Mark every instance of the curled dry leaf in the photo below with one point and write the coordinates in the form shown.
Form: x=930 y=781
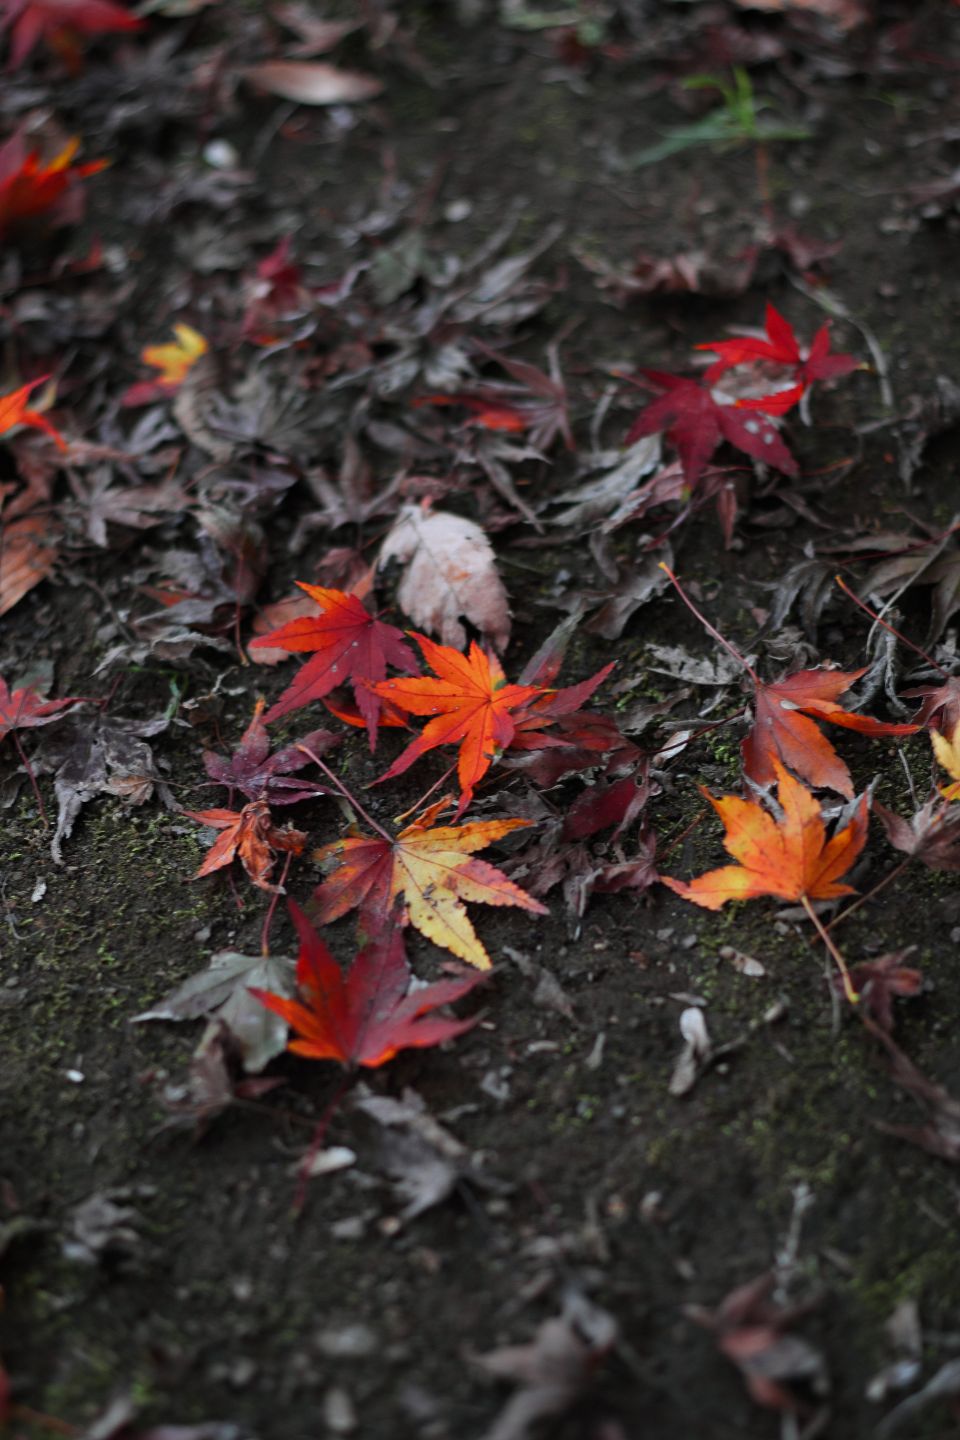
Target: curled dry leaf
x=250 y=834
x=553 y=1369
x=312 y=82
x=450 y=575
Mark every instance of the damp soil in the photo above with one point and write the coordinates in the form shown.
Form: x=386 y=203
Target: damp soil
x=220 y=1303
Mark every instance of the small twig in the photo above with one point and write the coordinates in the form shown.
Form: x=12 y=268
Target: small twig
x=426 y=795
x=268 y=919
x=316 y=1143
x=862 y=899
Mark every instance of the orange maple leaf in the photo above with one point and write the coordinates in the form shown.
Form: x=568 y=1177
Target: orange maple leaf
x=784 y=731
x=15 y=411
x=788 y=856
x=431 y=872
x=250 y=834
x=471 y=704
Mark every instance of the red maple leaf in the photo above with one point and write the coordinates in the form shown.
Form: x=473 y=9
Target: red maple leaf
x=784 y=728
x=24 y=709
x=367 y=1015
x=351 y=645
x=29 y=188
x=697 y=423
x=781 y=347
x=15 y=411
x=250 y=834
x=59 y=22
x=471 y=703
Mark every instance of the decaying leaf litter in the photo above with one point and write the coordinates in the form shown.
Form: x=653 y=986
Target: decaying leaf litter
x=273 y=314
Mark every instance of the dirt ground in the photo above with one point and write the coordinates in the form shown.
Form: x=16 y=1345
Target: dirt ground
x=208 y=1299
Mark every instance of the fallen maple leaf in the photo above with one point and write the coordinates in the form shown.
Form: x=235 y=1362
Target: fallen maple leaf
x=876 y=982
x=536 y=404
x=434 y=872
x=24 y=709
x=947 y=750
x=788 y=856
x=174 y=361
x=259 y=775
x=351 y=644
x=250 y=834
x=471 y=703
x=29 y=188
x=367 y=1016
x=782 y=731
x=14 y=411
x=931 y=835
x=58 y=23
x=751 y=1330
x=450 y=575
x=697 y=423
x=551 y=1371
x=781 y=347
x=312 y=82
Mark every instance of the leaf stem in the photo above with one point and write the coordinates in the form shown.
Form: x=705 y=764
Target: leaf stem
x=316 y=1143
x=268 y=919
x=31 y=776
x=347 y=794
x=706 y=623
x=848 y=989
x=426 y=795
x=879 y=620
x=862 y=899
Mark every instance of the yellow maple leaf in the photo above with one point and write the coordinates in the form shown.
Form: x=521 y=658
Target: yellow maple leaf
x=430 y=872
x=947 y=752
x=175 y=359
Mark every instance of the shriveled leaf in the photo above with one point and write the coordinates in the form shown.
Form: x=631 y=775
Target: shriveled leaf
x=931 y=835
x=789 y=856
x=100 y=754
x=449 y=575
x=223 y=991
x=551 y=1371
x=311 y=82
x=753 y=1330
x=250 y=835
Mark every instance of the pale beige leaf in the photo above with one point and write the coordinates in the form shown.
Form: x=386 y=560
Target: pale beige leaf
x=311 y=82
x=450 y=575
